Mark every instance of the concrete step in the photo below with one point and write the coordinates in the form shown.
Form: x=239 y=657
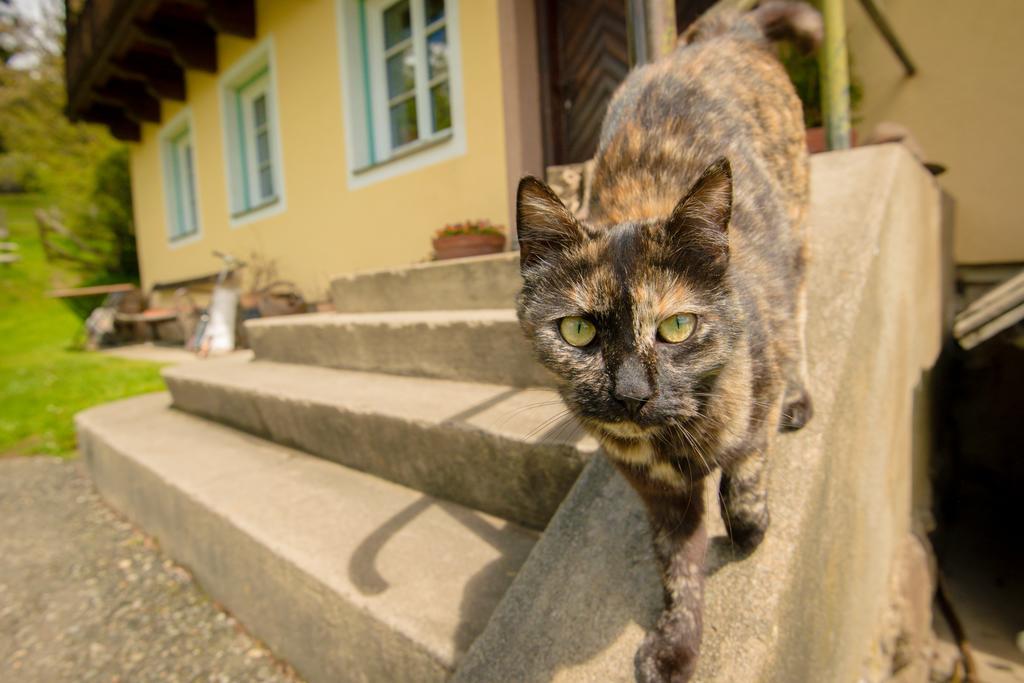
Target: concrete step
x=346 y=576
x=510 y=452
x=473 y=346
x=465 y=283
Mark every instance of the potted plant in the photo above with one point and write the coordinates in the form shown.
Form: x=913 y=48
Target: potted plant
x=469 y=238
x=806 y=76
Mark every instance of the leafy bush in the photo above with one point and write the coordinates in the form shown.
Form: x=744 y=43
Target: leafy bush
x=108 y=221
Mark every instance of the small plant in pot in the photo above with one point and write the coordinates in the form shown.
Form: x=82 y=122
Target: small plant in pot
x=805 y=73
x=469 y=238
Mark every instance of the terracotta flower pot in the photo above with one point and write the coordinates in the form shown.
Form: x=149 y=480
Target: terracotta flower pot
x=816 y=141
x=457 y=246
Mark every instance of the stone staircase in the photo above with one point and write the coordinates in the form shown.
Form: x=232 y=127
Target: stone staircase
x=367 y=494
x=439 y=455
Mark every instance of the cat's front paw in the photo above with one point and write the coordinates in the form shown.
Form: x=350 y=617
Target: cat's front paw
x=664 y=659
x=797 y=411
x=747 y=533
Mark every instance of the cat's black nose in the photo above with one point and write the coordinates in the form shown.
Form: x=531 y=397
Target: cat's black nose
x=632 y=388
x=633 y=404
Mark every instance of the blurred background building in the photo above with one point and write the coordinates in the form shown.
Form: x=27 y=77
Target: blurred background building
x=338 y=135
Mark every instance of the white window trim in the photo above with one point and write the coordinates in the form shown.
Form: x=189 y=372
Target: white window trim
x=182 y=122
x=424 y=152
x=259 y=57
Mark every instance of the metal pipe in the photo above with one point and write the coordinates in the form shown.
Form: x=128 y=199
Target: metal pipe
x=661 y=28
x=834 y=63
x=883 y=26
x=650 y=29
x=636 y=32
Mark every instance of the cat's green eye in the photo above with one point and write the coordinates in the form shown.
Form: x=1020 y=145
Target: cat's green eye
x=577 y=331
x=677 y=328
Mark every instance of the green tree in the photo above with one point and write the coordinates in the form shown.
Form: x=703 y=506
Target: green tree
x=80 y=169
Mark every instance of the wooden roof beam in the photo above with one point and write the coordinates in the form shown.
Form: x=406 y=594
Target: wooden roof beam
x=133 y=96
x=193 y=44
x=163 y=77
x=233 y=17
x=121 y=127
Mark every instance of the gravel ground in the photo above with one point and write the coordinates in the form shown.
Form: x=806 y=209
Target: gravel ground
x=86 y=597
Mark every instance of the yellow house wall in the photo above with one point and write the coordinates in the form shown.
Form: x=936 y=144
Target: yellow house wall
x=964 y=106
x=326 y=228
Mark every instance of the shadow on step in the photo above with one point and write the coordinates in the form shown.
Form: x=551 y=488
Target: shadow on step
x=473 y=411
x=482 y=591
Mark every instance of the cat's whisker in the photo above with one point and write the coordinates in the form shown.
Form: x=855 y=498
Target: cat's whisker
x=544 y=424
x=547 y=423
x=573 y=428
x=506 y=417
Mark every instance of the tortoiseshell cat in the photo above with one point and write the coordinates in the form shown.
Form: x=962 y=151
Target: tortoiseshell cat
x=674 y=316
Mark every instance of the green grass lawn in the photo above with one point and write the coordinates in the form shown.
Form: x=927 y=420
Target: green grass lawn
x=43 y=380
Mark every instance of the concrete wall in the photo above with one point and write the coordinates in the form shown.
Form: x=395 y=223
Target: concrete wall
x=327 y=228
x=844 y=492
x=964 y=105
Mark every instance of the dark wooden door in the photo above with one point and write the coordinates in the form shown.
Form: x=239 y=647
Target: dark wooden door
x=584 y=55
x=583 y=58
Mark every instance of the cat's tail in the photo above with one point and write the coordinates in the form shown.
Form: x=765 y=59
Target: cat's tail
x=772 y=20
x=796 y=22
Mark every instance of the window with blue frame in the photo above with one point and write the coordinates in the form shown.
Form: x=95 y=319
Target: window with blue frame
x=180 y=182
x=252 y=138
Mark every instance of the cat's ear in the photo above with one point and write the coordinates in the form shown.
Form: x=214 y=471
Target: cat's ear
x=544 y=225
x=698 y=228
